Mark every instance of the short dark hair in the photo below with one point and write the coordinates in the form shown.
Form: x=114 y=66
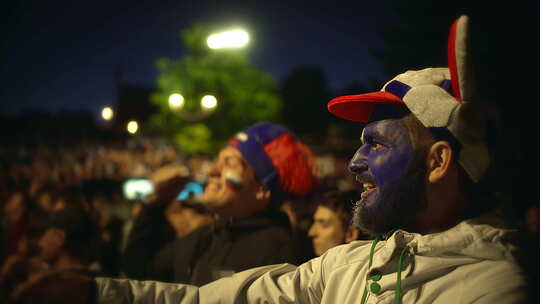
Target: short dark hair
x=342 y=203
x=480 y=194
x=421 y=138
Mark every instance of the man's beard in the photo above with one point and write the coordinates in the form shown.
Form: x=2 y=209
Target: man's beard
x=396 y=204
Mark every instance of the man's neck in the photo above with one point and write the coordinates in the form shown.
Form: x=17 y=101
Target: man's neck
x=444 y=208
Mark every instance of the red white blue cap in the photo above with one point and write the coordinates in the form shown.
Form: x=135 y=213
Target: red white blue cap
x=442 y=99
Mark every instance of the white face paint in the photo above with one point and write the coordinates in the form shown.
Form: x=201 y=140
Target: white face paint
x=233 y=179
x=232 y=187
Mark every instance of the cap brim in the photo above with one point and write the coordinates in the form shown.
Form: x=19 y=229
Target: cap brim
x=360 y=107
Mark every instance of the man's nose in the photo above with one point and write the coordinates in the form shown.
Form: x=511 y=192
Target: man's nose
x=311 y=232
x=215 y=170
x=358 y=163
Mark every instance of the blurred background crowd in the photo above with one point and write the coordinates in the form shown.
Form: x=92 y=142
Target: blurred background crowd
x=69 y=206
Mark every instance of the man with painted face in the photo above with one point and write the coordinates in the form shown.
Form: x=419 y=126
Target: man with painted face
x=250 y=178
x=422 y=168
x=390 y=178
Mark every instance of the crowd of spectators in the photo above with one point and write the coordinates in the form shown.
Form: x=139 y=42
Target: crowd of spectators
x=63 y=207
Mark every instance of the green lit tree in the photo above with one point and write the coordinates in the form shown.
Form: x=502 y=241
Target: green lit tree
x=245 y=94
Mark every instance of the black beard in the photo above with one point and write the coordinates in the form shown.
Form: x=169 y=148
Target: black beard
x=396 y=204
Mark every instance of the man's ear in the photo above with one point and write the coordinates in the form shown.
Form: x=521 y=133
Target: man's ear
x=439 y=159
x=351 y=234
x=262 y=193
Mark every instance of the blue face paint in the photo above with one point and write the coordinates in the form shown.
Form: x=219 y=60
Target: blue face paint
x=383 y=164
x=385 y=154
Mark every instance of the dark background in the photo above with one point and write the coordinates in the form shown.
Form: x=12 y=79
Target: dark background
x=70 y=54
x=61 y=61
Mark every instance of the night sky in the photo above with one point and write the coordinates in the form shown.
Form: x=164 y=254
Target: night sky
x=59 y=55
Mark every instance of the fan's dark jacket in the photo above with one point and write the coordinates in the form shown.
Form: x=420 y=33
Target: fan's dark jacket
x=208 y=253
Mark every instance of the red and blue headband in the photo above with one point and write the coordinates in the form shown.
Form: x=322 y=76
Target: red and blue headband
x=251 y=142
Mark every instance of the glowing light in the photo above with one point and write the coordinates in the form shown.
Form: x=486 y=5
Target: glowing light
x=229 y=39
x=176 y=101
x=138 y=189
x=132 y=127
x=208 y=102
x=107 y=113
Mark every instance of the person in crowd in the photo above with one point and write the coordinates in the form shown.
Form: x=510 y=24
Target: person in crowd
x=15 y=220
x=300 y=214
x=45 y=199
x=110 y=226
x=24 y=223
x=135 y=210
x=72 y=240
x=424 y=164
x=260 y=167
x=332 y=221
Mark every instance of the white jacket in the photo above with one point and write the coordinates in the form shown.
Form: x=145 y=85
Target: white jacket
x=469 y=263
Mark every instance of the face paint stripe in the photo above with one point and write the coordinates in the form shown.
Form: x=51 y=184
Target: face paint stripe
x=233 y=180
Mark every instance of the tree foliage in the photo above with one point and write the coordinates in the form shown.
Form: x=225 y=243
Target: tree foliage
x=245 y=94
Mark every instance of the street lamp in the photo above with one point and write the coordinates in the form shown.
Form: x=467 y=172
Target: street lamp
x=132 y=127
x=208 y=102
x=107 y=113
x=230 y=39
x=208 y=106
x=176 y=101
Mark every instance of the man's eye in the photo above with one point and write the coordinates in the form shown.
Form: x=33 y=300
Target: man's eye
x=323 y=225
x=376 y=146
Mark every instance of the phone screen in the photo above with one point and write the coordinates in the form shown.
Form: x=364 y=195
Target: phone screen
x=137 y=188
x=191 y=189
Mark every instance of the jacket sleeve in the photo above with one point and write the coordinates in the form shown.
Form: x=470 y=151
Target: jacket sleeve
x=146 y=238
x=124 y=291
x=283 y=283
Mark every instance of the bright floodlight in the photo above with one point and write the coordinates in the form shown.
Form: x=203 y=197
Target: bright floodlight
x=229 y=39
x=176 y=101
x=107 y=113
x=208 y=102
x=132 y=127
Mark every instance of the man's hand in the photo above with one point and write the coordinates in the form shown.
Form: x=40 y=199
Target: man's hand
x=168 y=182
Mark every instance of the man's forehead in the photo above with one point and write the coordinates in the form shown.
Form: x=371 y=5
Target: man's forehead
x=229 y=152
x=230 y=155
x=381 y=127
x=324 y=213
